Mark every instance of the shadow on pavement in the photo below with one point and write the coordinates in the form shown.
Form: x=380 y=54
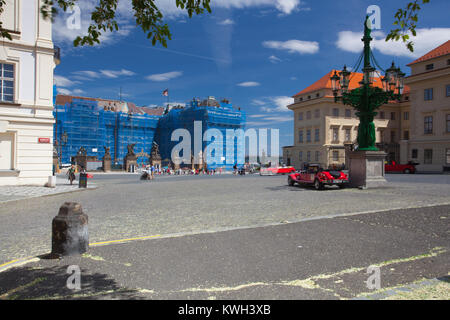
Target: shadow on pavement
x=36 y=282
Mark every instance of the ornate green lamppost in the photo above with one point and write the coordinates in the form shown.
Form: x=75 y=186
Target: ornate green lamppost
x=367 y=98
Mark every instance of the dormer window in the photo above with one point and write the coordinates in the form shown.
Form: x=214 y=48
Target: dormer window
x=429 y=66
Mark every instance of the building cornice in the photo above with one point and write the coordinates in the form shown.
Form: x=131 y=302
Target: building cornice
x=427 y=75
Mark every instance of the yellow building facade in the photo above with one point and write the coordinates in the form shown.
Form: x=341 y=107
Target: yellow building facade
x=429 y=83
x=322 y=127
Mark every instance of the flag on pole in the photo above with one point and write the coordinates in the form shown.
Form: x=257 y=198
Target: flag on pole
x=165 y=93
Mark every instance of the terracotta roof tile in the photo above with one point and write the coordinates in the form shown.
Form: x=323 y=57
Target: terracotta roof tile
x=158 y=111
x=355 y=79
x=440 y=51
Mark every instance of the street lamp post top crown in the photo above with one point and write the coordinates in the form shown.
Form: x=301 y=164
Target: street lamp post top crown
x=367 y=98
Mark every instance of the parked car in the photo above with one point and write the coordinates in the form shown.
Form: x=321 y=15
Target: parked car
x=276 y=170
x=318 y=177
x=393 y=166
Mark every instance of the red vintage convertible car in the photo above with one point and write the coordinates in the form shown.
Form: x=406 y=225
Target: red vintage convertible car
x=393 y=166
x=276 y=170
x=318 y=177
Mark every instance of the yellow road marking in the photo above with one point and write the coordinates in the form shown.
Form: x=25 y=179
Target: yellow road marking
x=124 y=240
x=5 y=264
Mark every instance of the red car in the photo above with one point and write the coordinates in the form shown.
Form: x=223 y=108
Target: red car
x=276 y=170
x=392 y=166
x=318 y=177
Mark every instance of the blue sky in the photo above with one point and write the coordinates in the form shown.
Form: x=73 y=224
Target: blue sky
x=257 y=53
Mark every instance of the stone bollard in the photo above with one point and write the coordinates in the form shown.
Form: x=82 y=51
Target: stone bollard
x=70 y=234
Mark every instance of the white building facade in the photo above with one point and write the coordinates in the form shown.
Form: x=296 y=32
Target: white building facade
x=26 y=95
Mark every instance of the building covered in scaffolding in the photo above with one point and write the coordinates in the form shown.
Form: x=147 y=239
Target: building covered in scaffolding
x=208 y=115
x=94 y=124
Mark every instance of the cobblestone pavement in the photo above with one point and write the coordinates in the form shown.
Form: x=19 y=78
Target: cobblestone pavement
x=330 y=258
x=124 y=207
x=11 y=193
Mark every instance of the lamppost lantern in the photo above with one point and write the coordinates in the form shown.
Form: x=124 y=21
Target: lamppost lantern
x=335 y=83
x=367 y=98
x=345 y=79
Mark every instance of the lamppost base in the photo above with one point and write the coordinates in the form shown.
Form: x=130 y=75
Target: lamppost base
x=366 y=169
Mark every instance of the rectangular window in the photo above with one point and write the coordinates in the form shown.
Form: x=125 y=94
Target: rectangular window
x=308 y=156
x=392 y=115
x=6 y=82
x=406 y=115
x=428 y=156
x=335 y=112
x=308 y=115
x=308 y=135
x=300 y=155
x=348 y=113
x=348 y=136
x=316 y=135
x=406 y=135
x=448 y=122
x=414 y=153
x=335 y=134
x=447 y=156
x=300 y=136
x=392 y=136
x=447 y=90
x=300 y=116
x=317 y=113
x=429 y=66
x=335 y=155
x=428 y=94
x=381 y=114
x=428 y=125
x=317 y=156
x=7 y=147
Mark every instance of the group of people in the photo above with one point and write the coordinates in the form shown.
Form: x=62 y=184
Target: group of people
x=71 y=173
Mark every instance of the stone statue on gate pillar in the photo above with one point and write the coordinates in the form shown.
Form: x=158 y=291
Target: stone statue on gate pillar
x=155 y=157
x=106 y=160
x=130 y=158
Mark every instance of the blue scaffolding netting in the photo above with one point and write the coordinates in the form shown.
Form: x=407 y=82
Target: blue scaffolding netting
x=86 y=123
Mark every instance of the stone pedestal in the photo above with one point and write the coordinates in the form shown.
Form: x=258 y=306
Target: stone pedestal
x=128 y=161
x=348 y=149
x=106 y=163
x=70 y=231
x=366 y=169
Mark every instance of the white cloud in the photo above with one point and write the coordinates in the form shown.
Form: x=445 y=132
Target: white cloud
x=226 y=22
x=63 y=34
x=86 y=75
x=293 y=78
x=116 y=74
x=258 y=102
x=249 y=84
x=65 y=28
x=294 y=46
x=164 y=76
x=64 y=91
x=61 y=81
x=274 y=59
x=425 y=41
x=278 y=103
x=78 y=91
x=284 y=6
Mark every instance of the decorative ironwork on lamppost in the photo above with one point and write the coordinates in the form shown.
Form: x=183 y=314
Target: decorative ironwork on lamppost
x=367 y=98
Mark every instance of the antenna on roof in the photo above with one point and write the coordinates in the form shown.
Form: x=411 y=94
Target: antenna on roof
x=120 y=94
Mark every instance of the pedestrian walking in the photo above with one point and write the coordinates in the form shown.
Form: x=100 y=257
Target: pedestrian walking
x=71 y=173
